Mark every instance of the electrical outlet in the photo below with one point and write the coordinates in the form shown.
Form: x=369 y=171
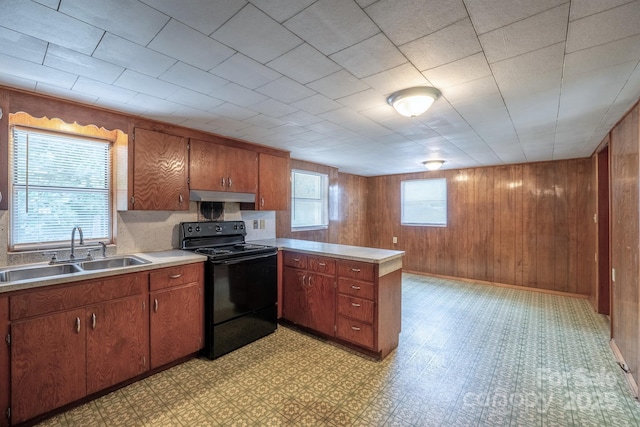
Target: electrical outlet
x=262 y=224
x=255 y=224
x=395 y=239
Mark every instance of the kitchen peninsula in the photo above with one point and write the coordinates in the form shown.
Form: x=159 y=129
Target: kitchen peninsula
x=348 y=294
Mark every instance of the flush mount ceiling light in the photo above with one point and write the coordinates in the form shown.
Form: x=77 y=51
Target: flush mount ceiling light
x=413 y=101
x=433 y=164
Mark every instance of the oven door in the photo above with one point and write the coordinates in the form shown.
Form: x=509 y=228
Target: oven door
x=240 y=302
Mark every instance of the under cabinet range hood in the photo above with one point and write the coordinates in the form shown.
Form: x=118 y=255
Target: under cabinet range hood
x=221 y=196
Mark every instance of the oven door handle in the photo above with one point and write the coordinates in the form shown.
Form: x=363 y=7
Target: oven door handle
x=241 y=259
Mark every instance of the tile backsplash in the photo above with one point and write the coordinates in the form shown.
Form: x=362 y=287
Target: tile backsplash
x=150 y=231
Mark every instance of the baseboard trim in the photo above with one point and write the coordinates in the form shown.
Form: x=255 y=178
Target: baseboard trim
x=502 y=285
x=623 y=365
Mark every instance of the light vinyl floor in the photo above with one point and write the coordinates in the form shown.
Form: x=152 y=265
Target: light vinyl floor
x=469 y=355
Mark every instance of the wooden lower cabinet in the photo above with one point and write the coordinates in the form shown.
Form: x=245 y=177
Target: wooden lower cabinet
x=4 y=362
x=177 y=313
x=344 y=299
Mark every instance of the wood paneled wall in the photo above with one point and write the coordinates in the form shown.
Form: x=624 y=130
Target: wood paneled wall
x=529 y=225
x=625 y=216
x=351 y=221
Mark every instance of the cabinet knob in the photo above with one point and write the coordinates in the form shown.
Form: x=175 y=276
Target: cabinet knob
x=93 y=321
x=155 y=305
x=77 y=325
x=229 y=183
x=223 y=182
x=180 y=199
x=133 y=200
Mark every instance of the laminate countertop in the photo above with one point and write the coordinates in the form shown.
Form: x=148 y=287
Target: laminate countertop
x=156 y=260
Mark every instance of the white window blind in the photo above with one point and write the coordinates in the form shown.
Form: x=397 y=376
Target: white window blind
x=59 y=181
x=424 y=202
x=309 y=199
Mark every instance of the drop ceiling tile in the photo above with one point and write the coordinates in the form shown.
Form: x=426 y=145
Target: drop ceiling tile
x=237 y=95
x=103 y=91
x=22 y=46
x=257 y=35
x=316 y=104
x=338 y=85
x=205 y=16
x=193 y=114
x=545 y=29
x=188 y=45
x=53 y=4
x=341 y=115
x=32 y=71
x=364 y=100
x=602 y=56
x=194 y=99
x=193 y=78
x=232 y=111
x=286 y=90
x=43 y=23
x=583 y=8
x=148 y=85
x=304 y=64
x=612 y=24
x=254 y=133
x=156 y=106
x=129 y=55
x=267 y=122
x=476 y=92
x=332 y=25
x=224 y=125
x=370 y=56
x=461 y=71
x=301 y=118
x=489 y=15
x=407 y=20
x=273 y=108
x=281 y=10
x=17 y=82
x=71 y=61
x=310 y=136
x=454 y=42
x=245 y=71
x=325 y=127
x=128 y=19
x=59 y=92
x=395 y=79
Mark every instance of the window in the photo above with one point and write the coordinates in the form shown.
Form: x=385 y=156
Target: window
x=424 y=202
x=58 y=181
x=309 y=200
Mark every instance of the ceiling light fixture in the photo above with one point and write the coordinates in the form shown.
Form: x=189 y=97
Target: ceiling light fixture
x=433 y=164
x=413 y=101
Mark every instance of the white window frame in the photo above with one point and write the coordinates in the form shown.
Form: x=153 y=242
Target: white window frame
x=431 y=200
x=61 y=241
x=323 y=199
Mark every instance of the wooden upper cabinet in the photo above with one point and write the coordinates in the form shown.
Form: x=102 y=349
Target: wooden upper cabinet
x=222 y=168
x=159 y=172
x=274 y=183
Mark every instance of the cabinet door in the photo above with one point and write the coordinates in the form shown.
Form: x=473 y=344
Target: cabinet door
x=274 y=183
x=48 y=363
x=294 y=299
x=177 y=323
x=4 y=361
x=117 y=347
x=204 y=173
x=159 y=172
x=242 y=170
x=321 y=303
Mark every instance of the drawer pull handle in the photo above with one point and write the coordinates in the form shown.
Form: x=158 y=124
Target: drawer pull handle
x=355 y=304
x=355 y=270
x=322 y=264
x=155 y=305
x=296 y=259
x=355 y=328
x=77 y=325
x=175 y=276
x=93 y=321
x=357 y=288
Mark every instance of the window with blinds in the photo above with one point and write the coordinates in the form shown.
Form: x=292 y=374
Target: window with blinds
x=309 y=200
x=424 y=202
x=58 y=181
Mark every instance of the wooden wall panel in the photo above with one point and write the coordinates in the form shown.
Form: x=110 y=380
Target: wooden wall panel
x=624 y=173
x=518 y=224
x=352 y=217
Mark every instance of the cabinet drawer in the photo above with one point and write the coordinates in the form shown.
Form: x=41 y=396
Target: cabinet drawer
x=356 y=270
x=357 y=289
x=322 y=265
x=174 y=276
x=355 y=308
x=357 y=332
x=293 y=259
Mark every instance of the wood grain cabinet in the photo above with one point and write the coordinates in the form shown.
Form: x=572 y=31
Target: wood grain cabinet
x=219 y=167
x=365 y=307
x=309 y=291
x=74 y=340
x=160 y=176
x=177 y=313
x=274 y=184
x=4 y=362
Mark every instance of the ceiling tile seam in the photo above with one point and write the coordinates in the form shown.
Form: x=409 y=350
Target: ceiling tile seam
x=564 y=60
x=433 y=32
x=291 y=17
x=600 y=11
x=601 y=44
x=525 y=18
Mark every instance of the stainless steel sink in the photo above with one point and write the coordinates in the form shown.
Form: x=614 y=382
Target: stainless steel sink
x=114 y=262
x=23 y=273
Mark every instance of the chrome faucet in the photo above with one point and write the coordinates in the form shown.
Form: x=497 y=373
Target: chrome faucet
x=73 y=237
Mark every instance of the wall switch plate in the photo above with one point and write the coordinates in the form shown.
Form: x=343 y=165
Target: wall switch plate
x=395 y=239
x=255 y=224
x=262 y=224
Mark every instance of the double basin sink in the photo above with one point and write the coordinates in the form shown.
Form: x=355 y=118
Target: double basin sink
x=12 y=274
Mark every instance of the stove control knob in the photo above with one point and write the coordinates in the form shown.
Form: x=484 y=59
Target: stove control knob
x=218 y=228
x=197 y=228
x=235 y=227
x=189 y=229
x=241 y=226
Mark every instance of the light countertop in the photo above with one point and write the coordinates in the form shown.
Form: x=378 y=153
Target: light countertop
x=157 y=260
